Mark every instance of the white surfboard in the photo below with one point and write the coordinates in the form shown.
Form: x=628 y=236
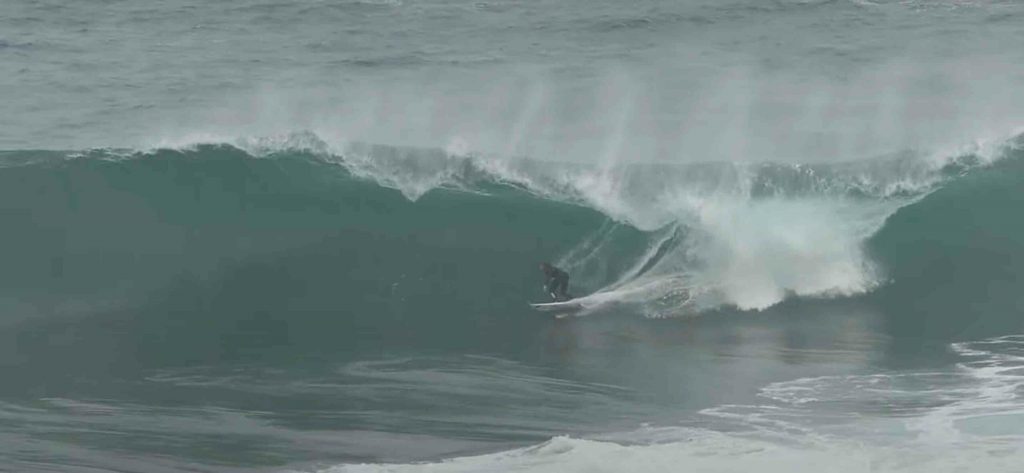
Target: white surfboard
x=569 y=306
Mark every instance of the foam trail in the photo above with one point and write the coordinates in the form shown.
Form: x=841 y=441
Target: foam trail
x=654 y=250
x=588 y=251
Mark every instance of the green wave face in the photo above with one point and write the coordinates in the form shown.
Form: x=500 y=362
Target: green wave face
x=214 y=254
x=954 y=258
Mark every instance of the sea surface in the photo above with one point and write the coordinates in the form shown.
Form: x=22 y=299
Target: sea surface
x=303 y=236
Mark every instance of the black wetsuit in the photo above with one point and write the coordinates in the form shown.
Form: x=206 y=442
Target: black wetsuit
x=557 y=283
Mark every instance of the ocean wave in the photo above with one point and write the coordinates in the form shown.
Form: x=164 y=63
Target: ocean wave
x=666 y=240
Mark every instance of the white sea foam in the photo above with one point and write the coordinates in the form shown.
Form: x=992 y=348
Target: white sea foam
x=745 y=250
x=967 y=419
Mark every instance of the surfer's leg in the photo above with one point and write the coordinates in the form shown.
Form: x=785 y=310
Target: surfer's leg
x=562 y=289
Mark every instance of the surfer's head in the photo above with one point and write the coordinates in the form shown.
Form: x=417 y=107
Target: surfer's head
x=546 y=267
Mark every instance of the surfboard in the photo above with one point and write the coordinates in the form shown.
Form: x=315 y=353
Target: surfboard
x=564 y=307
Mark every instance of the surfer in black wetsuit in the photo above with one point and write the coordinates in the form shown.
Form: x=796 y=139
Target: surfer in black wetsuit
x=556 y=282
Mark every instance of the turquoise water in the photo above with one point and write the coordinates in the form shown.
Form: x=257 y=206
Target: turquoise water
x=269 y=236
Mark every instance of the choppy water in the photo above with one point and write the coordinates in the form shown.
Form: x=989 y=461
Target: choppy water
x=302 y=236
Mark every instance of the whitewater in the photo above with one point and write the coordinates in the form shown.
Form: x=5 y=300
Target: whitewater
x=302 y=236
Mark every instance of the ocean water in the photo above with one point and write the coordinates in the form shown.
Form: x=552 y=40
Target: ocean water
x=302 y=236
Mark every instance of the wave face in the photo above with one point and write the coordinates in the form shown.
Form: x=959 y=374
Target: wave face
x=381 y=233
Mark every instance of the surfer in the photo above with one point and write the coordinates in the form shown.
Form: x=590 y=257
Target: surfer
x=556 y=282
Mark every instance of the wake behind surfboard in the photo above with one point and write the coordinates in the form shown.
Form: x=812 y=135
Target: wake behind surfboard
x=576 y=306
